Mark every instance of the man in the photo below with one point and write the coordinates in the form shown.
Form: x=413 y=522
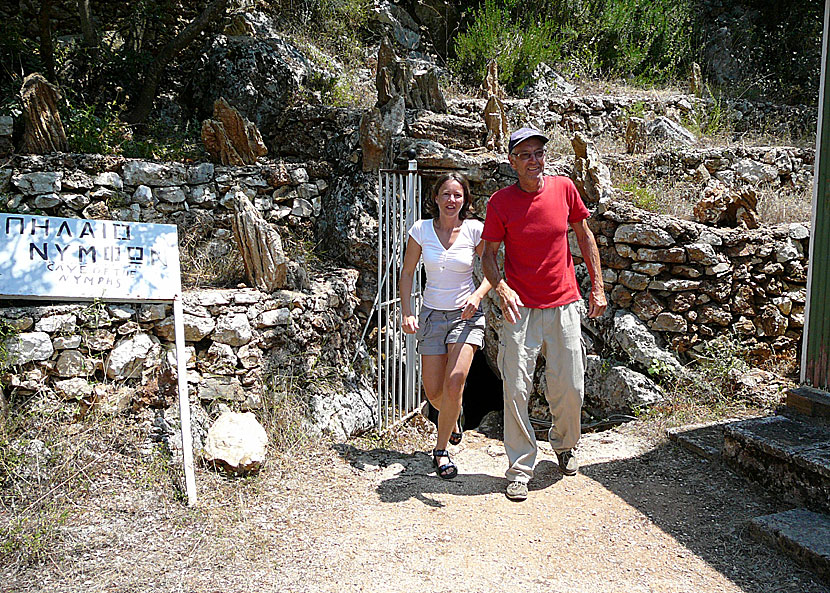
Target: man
x=540 y=302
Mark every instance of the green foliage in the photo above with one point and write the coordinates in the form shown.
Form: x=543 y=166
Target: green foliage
x=643 y=197
x=95 y=129
x=647 y=40
x=516 y=46
x=709 y=118
x=7 y=333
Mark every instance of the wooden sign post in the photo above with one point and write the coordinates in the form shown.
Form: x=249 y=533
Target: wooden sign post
x=71 y=259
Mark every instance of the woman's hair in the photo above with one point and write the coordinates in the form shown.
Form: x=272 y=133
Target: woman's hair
x=432 y=208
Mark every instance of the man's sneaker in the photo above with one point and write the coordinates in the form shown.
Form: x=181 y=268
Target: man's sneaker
x=517 y=491
x=567 y=462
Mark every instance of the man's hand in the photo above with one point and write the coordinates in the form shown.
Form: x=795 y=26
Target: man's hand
x=596 y=302
x=409 y=324
x=510 y=302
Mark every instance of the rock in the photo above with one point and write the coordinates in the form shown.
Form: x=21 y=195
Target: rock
x=495 y=119
x=546 y=82
x=229 y=138
x=153 y=174
x=720 y=205
x=590 y=175
x=220 y=359
x=27 y=347
x=109 y=179
x=71 y=363
x=233 y=329
x=43 y=130
x=236 y=442
x=640 y=344
x=76 y=388
x=221 y=389
x=663 y=129
x=127 y=359
x=257 y=76
x=419 y=87
x=260 y=245
x=200 y=174
x=403 y=27
x=38 y=182
x=636 y=135
x=64 y=323
x=618 y=389
x=643 y=234
x=275 y=317
x=196 y=328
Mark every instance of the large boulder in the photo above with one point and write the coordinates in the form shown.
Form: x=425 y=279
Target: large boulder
x=257 y=76
x=236 y=442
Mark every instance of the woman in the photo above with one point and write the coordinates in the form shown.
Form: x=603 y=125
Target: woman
x=450 y=325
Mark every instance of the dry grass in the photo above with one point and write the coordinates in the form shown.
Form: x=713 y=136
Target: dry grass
x=216 y=263
x=784 y=204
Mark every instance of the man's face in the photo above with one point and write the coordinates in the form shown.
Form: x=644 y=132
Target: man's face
x=528 y=159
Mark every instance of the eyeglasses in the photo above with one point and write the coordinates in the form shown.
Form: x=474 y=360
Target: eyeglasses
x=525 y=156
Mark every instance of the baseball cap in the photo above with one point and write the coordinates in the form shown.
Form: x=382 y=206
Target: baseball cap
x=523 y=134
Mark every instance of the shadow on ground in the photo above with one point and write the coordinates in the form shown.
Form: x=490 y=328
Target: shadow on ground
x=705 y=506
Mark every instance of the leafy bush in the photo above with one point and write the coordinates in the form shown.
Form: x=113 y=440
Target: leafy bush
x=649 y=40
x=517 y=47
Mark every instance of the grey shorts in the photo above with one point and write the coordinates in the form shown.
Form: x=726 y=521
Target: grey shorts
x=437 y=328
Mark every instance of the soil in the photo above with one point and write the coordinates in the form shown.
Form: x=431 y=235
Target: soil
x=373 y=516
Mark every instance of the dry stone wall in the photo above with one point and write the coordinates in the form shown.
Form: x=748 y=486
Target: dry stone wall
x=690 y=282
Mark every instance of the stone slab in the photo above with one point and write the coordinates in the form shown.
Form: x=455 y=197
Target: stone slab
x=705 y=439
x=780 y=436
x=799 y=533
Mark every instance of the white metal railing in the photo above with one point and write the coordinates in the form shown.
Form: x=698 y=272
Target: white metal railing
x=398 y=365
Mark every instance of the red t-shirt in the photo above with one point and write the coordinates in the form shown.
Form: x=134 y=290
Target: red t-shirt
x=534 y=229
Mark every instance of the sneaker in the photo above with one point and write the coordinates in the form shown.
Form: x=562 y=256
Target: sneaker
x=517 y=491
x=567 y=462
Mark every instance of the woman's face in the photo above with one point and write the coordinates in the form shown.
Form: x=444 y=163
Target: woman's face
x=450 y=198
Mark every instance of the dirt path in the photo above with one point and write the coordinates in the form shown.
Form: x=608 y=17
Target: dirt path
x=358 y=519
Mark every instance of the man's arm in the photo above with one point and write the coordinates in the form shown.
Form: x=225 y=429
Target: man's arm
x=509 y=300
x=590 y=253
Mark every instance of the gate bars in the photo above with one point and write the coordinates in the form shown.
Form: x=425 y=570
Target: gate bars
x=398 y=365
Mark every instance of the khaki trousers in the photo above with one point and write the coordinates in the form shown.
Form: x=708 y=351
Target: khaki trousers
x=556 y=334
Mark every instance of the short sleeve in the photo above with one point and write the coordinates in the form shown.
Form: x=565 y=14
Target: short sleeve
x=577 y=210
x=476 y=226
x=417 y=231
x=493 y=225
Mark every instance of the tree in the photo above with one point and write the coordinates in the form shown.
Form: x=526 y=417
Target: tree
x=152 y=76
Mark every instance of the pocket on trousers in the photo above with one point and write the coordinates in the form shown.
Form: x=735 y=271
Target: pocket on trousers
x=423 y=324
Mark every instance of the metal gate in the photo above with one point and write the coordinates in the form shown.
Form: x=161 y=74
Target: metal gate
x=398 y=365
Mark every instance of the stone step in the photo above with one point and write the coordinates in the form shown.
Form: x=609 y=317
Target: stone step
x=801 y=534
x=790 y=458
x=704 y=439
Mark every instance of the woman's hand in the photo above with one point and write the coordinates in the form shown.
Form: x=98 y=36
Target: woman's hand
x=409 y=324
x=470 y=307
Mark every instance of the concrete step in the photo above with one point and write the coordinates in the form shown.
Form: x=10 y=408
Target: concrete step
x=799 y=533
x=788 y=457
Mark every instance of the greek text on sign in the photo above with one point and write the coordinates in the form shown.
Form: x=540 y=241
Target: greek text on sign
x=73 y=258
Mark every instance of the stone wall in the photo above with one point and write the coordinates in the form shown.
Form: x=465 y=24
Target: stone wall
x=239 y=343
x=690 y=282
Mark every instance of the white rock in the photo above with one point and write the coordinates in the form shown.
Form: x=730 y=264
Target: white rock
x=63 y=323
x=38 y=183
x=26 y=347
x=128 y=356
x=233 y=329
x=109 y=179
x=196 y=328
x=276 y=317
x=236 y=442
x=154 y=174
x=143 y=196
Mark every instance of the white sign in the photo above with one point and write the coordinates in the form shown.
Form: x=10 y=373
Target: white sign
x=72 y=258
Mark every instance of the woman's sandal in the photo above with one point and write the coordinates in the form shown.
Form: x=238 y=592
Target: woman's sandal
x=447 y=471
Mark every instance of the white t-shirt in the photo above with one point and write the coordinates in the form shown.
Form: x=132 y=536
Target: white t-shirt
x=449 y=271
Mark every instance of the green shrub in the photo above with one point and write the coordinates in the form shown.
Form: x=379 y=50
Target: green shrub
x=517 y=47
x=643 y=197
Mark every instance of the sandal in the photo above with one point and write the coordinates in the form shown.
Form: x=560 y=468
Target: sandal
x=447 y=471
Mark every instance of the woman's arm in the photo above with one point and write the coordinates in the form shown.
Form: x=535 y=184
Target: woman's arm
x=409 y=323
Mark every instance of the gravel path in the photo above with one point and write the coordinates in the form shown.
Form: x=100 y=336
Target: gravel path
x=354 y=518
